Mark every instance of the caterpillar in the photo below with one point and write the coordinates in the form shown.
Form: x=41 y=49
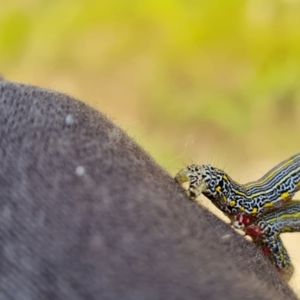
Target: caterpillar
x=243 y=203
x=262 y=208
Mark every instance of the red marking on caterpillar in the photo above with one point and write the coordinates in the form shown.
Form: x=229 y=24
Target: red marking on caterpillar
x=254 y=231
x=265 y=250
x=243 y=219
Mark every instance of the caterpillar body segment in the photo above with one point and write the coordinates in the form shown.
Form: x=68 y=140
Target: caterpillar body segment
x=288 y=168
x=244 y=203
x=271 y=225
x=276 y=252
x=266 y=233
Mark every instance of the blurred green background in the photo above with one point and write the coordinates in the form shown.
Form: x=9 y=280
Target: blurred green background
x=192 y=81
x=202 y=81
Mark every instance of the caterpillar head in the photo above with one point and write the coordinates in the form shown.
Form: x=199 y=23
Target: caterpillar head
x=202 y=179
x=194 y=175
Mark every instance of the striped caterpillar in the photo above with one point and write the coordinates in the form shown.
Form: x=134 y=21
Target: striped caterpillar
x=243 y=203
x=259 y=208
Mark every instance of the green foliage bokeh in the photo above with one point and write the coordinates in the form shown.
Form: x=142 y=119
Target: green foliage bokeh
x=190 y=80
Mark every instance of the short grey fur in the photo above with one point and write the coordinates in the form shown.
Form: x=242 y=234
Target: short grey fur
x=86 y=213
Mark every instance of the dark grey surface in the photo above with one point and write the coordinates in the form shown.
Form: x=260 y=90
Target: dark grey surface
x=121 y=230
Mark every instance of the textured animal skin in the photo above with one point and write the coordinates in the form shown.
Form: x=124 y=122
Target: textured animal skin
x=85 y=213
